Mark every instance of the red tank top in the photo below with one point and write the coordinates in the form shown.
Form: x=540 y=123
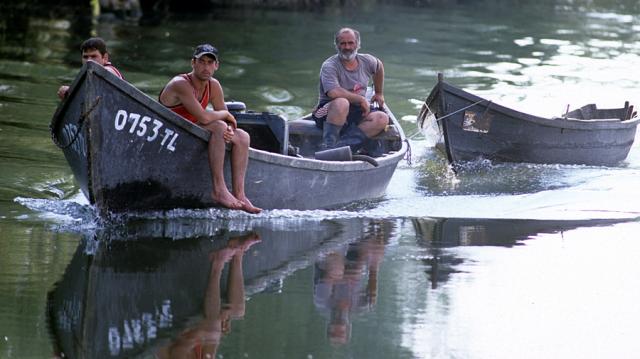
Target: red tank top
x=181 y=110
x=108 y=64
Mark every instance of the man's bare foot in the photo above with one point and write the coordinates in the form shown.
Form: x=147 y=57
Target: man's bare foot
x=244 y=242
x=247 y=206
x=226 y=199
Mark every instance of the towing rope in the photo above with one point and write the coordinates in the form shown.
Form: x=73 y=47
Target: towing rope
x=83 y=116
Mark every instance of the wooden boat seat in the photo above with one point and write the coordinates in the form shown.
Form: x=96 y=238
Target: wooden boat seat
x=591 y=112
x=304 y=127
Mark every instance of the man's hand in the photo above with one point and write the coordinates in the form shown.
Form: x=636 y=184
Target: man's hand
x=379 y=99
x=231 y=120
x=364 y=105
x=228 y=134
x=231 y=126
x=63 y=91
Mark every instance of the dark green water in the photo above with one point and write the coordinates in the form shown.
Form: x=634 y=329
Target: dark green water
x=414 y=274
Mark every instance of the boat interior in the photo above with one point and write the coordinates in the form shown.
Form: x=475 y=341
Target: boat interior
x=592 y=112
x=299 y=138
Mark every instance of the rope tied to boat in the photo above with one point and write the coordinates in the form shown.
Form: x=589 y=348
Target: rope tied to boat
x=83 y=116
x=464 y=108
x=407 y=156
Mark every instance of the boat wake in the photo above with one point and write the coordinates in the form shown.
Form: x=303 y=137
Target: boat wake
x=517 y=191
x=611 y=194
x=77 y=215
x=67 y=215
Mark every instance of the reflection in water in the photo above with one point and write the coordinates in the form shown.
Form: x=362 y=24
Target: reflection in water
x=346 y=281
x=203 y=339
x=141 y=288
x=437 y=236
x=562 y=290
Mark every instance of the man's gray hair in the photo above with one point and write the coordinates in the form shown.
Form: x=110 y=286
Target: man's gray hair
x=348 y=29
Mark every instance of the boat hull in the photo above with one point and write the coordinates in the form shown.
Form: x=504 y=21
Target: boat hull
x=473 y=128
x=129 y=153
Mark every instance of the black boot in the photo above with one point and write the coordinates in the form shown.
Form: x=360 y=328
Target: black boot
x=330 y=135
x=373 y=148
x=353 y=137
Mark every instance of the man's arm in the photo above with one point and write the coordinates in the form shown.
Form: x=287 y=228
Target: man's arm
x=217 y=101
x=378 y=84
x=334 y=89
x=353 y=98
x=331 y=83
x=183 y=92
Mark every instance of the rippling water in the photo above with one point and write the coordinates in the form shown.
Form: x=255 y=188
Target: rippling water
x=498 y=260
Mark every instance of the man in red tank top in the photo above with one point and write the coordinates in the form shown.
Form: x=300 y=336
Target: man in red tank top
x=93 y=49
x=188 y=95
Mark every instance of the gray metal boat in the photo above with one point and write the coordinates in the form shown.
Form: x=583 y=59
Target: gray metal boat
x=130 y=153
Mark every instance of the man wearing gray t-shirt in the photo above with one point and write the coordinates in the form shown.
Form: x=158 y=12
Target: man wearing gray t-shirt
x=343 y=112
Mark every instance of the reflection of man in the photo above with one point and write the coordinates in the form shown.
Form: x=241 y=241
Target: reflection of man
x=203 y=339
x=93 y=49
x=343 y=111
x=340 y=287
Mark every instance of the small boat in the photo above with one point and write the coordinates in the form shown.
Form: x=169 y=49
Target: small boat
x=472 y=127
x=129 y=153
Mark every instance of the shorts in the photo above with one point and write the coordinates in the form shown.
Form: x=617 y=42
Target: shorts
x=353 y=118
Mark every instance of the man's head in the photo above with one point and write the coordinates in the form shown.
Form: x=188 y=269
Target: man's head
x=94 y=49
x=205 y=61
x=347 y=41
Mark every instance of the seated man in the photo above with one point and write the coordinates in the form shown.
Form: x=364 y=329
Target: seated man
x=94 y=49
x=188 y=95
x=343 y=112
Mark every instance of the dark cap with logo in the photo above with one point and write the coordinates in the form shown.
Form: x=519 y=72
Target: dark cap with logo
x=205 y=49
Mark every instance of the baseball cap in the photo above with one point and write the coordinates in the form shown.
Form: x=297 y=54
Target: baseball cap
x=205 y=49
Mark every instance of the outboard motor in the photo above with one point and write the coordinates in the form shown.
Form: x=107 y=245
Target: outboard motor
x=236 y=106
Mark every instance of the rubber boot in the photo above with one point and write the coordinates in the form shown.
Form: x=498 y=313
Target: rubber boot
x=353 y=137
x=373 y=148
x=330 y=135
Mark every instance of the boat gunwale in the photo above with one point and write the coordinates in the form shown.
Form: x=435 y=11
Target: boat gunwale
x=559 y=122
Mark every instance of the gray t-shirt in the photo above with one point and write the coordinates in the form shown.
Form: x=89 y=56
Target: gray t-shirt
x=333 y=74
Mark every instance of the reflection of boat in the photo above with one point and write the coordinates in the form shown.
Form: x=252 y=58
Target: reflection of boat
x=121 y=298
x=453 y=232
x=473 y=127
x=437 y=235
x=128 y=152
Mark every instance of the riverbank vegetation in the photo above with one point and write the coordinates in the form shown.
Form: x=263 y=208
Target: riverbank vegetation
x=139 y=8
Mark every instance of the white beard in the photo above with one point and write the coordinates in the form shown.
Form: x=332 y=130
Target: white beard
x=347 y=56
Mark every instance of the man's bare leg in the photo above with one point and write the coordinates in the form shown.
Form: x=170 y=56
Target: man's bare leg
x=239 y=161
x=374 y=123
x=338 y=111
x=220 y=192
